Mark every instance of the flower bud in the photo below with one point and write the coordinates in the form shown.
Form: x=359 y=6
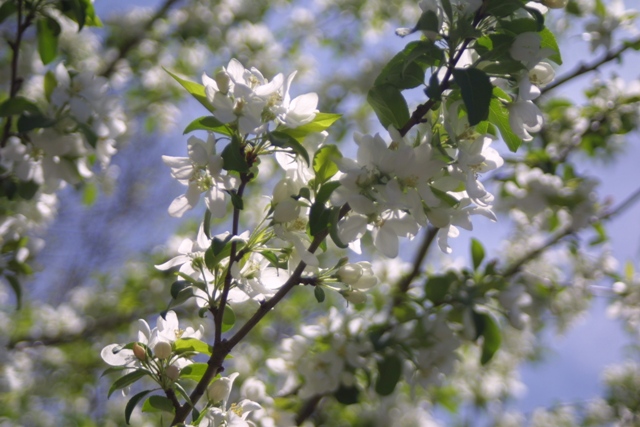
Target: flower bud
x=222 y=79
x=555 y=4
x=162 y=350
x=220 y=389
x=172 y=372
x=354 y=297
x=139 y=352
x=349 y=273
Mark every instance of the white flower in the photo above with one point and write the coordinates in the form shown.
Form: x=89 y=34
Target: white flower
x=236 y=414
x=525 y=117
x=299 y=111
x=527 y=49
x=201 y=172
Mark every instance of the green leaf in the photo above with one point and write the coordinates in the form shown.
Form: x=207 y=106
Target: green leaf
x=321 y=122
x=549 y=41
x=127 y=380
x=30 y=122
x=284 y=140
x=208 y=123
x=17 y=289
x=538 y=16
x=48 y=31
x=228 y=318
x=27 y=189
x=389 y=372
x=520 y=25
x=179 y=286
x=500 y=8
x=89 y=194
x=193 y=372
x=87 y=131
x=428 y=22
x=50 y=83
x=183 y=345
x=318 y=292
x=333 y=228
x=492 y=337
x=131 y=404
x=319 y=218
x=477 y=253
x=7 y=9
x=494 y=47
x=499 y=116
x=233 y=157
x=448 y=10
x=195 y=89
x=158 y=404
x=18 y=105
x=236 y=200
x=347 y=395
x=206 y=224
x=82 y=12
x=324 y=164
x=437 y=287
x=476 y=91
x=407 y=68
x=389 y=105
x=325 y=191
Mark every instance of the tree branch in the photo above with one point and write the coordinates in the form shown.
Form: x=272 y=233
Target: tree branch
x=517 y=265
x=586 y=68
x=133 y=41
x=405 y=282
x=224 y=347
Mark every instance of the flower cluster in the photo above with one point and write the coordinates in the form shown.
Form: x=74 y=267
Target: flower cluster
x=394 y=189
x=155 y=351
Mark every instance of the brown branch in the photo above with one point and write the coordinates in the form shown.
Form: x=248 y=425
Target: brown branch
x=103 y=324
x=15 y=82
x=224 y=347
x=586 y=68
x=135 y=40
x=405 y=282
x=517 y=265
x=308 y=408
x=233 y=258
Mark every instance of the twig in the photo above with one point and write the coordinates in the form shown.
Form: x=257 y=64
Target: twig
x=308 y=408
x=224 y=347
x=16 y=82
x=132 y=42
x=586 y=68
x=557 y=237
x=405 y=282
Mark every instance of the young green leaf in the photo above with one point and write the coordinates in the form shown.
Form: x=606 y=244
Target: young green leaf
x=324 y=164
x=48 y=30
x=389 y=105
x=477 y=253
x=158 y=404
x=318 y=292
x=193 y=372
x=131 y=404
x=499 y=116
x=18 y=105
x=192 y=345
x=208 y=123
x=195 y=89
x=228 y=318
x=17 y=289
x=389 y=373
x=491 y=338
x=476 y=91
x=284 y=140
x=549 y=41
x=127 y=380
x=233 y=157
